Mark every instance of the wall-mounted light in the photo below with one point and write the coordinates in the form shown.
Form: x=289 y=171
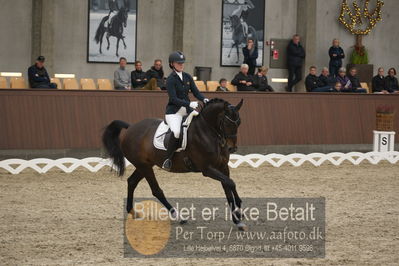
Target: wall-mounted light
x=65 y=76
x=279 y=80
x=11 y=74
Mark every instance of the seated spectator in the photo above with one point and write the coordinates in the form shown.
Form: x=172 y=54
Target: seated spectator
x=379 y=82
x=155 y=77
x=260 y=80
x=243 y=81
x=122 y=76
x=338 y=86
x=222 y=85
x=344 y=80
x=38 y=76
x=313 y=83
x=138 y=76
x=356 y=87
x=326 y=79
x=391 y=81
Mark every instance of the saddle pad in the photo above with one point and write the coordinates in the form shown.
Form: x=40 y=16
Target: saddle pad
x=162 y=130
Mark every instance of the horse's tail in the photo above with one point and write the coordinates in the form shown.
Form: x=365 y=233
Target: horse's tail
x=112 y=144
x=101 y=29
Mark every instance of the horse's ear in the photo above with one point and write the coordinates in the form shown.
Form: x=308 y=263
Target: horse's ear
x=238 y=107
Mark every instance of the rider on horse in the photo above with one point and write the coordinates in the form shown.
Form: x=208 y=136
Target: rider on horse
x=113 y=9
x=178 y=84
x=242 y=12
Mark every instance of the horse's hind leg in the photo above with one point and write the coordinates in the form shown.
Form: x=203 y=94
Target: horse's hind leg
x=123 y=40
x=228 y=56
x=148 y=172
x=132 y=183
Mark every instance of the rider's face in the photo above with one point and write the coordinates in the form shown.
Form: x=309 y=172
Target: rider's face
x=178 y=66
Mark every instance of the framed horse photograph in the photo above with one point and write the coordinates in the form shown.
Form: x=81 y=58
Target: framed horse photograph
x=111 y=33
x=241 y=20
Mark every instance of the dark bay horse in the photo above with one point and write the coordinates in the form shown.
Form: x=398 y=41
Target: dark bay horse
x=114 y=28
x=212 y=136
x=238 y=35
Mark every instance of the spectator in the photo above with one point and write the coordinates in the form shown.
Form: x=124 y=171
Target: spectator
x=356 y=87
x=38 y=76
x=313 y=83
x=222 y=85
x=379 y=82
x=260 y=80
x=243 y=81
x=155 y=77
x=336 y=55
x=346 y=85
x=138 y=76
x=250 y=55
x=392 y=81
x=326 y=79
x=122 y=76
x=295 y=56
x=338 y=86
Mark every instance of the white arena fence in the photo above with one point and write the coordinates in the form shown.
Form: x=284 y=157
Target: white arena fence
x=94 y=164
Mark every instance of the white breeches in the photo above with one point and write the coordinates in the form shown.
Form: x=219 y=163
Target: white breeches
x=174 y=121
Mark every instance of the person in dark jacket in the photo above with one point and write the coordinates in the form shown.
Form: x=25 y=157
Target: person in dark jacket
x=356 y=86
x=379 y=82
x=138 y=76
x=250 y=55
x=243 y=81
x=295 y=57
x=336 y=54
x=392 y=81
x=38 y=76
x=327 y=80
x=156 y=72
x=178 y=85
x=260 y=80
x=313 y=83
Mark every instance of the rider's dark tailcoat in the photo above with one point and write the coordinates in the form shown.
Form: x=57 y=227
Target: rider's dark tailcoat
x=178 y=92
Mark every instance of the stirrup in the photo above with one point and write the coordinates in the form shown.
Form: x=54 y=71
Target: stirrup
x=167 y=164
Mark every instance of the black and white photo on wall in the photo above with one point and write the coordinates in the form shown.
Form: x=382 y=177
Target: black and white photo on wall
x=111 y=33
x=241 y=20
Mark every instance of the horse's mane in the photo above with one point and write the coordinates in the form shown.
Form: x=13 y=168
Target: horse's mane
x=211 y=102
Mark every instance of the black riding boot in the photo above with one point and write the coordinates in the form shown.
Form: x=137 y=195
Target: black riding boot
x=172 y=147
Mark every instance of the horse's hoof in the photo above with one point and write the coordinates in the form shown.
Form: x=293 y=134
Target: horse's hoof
x=242 y=227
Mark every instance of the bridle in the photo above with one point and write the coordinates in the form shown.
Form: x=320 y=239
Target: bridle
x=220 y=131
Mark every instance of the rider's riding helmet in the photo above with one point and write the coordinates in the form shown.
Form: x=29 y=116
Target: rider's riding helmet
x=177 y=57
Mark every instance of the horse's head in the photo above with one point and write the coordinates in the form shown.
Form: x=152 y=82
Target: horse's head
x=230 y=123
x=124 y=12
x=225 y=119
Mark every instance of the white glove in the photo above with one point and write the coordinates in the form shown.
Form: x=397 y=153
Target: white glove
x=194 y=105
x=206 y=100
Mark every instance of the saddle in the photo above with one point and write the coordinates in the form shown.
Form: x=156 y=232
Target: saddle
x=163 y=133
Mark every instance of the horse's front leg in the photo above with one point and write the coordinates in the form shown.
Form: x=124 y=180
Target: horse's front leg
x=107 y=37
x=117 y=47
x=229 y=187
x=123 y=40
